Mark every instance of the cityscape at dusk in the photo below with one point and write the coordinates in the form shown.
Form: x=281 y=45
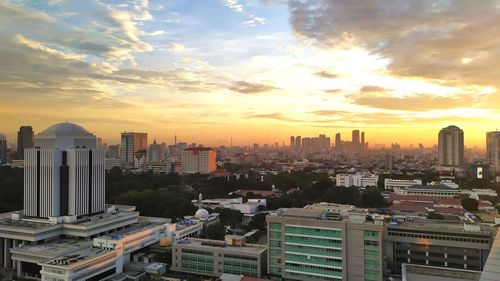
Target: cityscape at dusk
x=249 y=140
x=256 y=71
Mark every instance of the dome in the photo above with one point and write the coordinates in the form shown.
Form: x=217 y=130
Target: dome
x=165 y=242
x=65 y=129
x=201 y=214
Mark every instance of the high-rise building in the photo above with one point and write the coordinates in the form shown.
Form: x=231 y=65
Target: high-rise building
x=133 y=149
x=319 y=244
x=64 y=173
x=198 y=160
x=292 y=142
x=3 y=149
x=451 y=146
x=113 y=151
x=355 y=137
x=155 y=152
x=298 y=142
x=493 y=151
x=338 y=143
x=24 y=140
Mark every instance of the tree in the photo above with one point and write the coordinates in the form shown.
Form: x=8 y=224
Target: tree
x=372 y=197
x=215 y=231
x=469 y=204
x=258 y=222
x=229 y=217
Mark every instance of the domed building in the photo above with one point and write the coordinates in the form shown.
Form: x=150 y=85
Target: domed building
x=68 y=169
x=201 y=214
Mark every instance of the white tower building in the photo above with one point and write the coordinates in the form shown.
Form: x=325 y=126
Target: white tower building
x=64 y=173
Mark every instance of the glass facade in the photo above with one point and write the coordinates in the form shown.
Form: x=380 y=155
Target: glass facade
x=313 y=253
x=372 y=250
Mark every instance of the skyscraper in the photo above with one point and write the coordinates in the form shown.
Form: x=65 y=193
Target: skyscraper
x=338 y=143
x=155 y=152
x=198 y=160
x=133 y=149
x=298 y=142
x=451 y=146
x=3 y=149
x=292 y=142
x=493 y=151
x=24 y=140
x=64 y=173
x=355 y=137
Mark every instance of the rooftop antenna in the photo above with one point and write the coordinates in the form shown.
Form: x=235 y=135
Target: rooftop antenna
x=231 y=141
x=175 y=138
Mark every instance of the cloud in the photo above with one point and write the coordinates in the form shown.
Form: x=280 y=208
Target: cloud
x=250 y=88
x=176 y=47
x=454 y=42
x=234 y=5
x=371 y=89
x=326 y=74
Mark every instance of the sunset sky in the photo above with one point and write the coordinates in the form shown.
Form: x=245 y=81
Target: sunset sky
x=256 y=71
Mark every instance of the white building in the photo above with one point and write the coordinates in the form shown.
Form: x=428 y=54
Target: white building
x=64 y=173
x=198 y=160
x=357 y=180
x=395 y=183
x=436 y=190
x=493 y=151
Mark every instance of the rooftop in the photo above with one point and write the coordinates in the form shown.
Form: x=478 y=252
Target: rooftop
x=208 y=244
x=433 y=187
x=441 y=226
x=53 y=249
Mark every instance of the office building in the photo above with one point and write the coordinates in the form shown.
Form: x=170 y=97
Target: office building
x=338 y=143
x=431 y=190
x=315 y=244
x=198 y=160
x=357 y=180
x=25 y=137
x=493 y=151
x=292 y=142
x=3 y=149
x=397 y=183
x=214 y=258
x=438 y=243
x=451 y=146
x=298 y=143
x=113 y=151
x=155 y=152
x=64 y=173
x=65 y=231
x=355 y=137
x=133 y=149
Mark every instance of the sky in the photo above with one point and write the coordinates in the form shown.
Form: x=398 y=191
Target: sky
x=252 y=70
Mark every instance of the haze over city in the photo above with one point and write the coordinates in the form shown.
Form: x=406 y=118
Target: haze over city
x=256 y=71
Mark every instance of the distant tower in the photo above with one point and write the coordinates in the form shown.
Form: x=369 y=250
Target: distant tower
x=25 y=137
x=338 y=143
x=451 y=146
x=355 y=137
x=493 y=150
x=3 y=149
x=298 y=143
x=292 y=142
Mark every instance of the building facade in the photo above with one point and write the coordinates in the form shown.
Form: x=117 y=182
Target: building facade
x=493 y=151
x=314 y=244
x=451 y=146
x=64 y=173
x=396 y=183
x=133 y=149
x=437 y=243
x=214 y=258
x=25 y=139
x=3 y=150
x=198 y=160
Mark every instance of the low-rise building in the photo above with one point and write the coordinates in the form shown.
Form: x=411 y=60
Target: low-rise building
x=436 y=190
x=357 y=180
x=214 y=258
x=396 y=183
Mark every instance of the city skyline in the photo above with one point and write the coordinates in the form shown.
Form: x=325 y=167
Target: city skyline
x=262 y=69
